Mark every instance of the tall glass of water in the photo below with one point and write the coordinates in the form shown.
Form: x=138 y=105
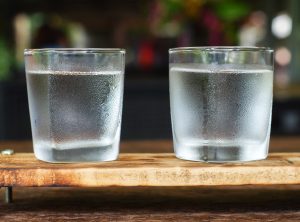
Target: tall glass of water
x=221 y=102
x=75 y=102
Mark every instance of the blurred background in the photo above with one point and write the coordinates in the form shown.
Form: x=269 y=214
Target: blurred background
x=147 y=29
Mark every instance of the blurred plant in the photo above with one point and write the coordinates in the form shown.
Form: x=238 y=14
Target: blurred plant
x=6 y=60
x=218 y=17
x=230 y=12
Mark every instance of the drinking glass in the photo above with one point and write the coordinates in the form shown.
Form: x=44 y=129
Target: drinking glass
x=221 y=102
x=75 y=103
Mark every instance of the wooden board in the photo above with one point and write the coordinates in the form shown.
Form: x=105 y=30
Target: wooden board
x=219 y=204
x=148 y=170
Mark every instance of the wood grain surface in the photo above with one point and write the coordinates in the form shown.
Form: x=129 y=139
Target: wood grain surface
x=208 y=204
x=145 y=203
x=148 y=170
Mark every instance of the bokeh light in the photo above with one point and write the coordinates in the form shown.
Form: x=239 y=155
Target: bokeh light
x=283 y=56
x=282 y=26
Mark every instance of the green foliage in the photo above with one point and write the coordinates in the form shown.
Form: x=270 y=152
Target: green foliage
x=5 y=60
x=231 y=10
x=173 y=6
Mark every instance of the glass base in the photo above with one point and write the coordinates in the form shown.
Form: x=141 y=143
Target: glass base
x=86 y=154
x=222 y=153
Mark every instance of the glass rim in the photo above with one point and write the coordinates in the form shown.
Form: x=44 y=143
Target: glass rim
x=73 y=50
x=221 y=49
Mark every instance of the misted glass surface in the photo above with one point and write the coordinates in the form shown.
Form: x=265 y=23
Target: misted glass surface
x=220 y=107
x=75 y=109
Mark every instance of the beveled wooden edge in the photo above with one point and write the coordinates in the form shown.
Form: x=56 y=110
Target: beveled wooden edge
x=148 y=170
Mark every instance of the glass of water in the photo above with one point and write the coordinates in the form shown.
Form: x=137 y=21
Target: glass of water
x=221 y=102
x=75 y=102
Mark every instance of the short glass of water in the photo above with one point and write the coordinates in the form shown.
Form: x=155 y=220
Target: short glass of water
x=75 y=102
x=221 y=102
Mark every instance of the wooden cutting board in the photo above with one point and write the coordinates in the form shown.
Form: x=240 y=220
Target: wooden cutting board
x=23 y=169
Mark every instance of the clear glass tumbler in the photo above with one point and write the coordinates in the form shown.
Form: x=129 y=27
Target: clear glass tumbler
x=221 y=102
x=75 y=102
